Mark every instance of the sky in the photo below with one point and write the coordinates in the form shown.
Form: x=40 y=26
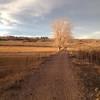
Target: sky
x=34 y=17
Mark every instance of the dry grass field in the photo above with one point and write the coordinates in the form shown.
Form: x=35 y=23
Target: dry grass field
x=17 y=61
x=14 y=67
x=26 y=43
x=18 y=49
x=85 y=57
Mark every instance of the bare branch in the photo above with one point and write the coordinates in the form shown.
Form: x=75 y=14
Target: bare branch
x=62 y=32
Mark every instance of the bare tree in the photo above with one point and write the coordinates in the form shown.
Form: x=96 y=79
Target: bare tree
x=62 y=32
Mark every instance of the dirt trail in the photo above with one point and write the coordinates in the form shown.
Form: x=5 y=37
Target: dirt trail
x=55 y=80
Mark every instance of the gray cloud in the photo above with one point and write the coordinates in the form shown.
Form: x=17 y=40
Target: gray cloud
x=35 y=16
x=5 y=1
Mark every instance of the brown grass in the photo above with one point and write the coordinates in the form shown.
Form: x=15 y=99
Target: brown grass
x=24 y=43
x=15 y=67
x=15 y=49
x=85 y=57
x=18 y=58
x=16 y=62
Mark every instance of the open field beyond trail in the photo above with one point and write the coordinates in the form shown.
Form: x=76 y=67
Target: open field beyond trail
x=26 y=43
x=15 y=49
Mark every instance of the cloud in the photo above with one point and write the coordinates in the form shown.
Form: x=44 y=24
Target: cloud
x=95 y=35
x=8 y=11
x=32 y=7
x=16 y=6
x=15 y=12
x=82 y=32
x=92 y=35
x=5 y=1
x=34 y=16
x=4 y=33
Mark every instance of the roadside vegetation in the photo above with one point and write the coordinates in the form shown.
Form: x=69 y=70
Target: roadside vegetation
x=19 y=56
x=85 y=58
x=15 y=67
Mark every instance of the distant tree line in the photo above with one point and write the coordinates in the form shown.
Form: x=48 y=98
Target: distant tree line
x=25 y=39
